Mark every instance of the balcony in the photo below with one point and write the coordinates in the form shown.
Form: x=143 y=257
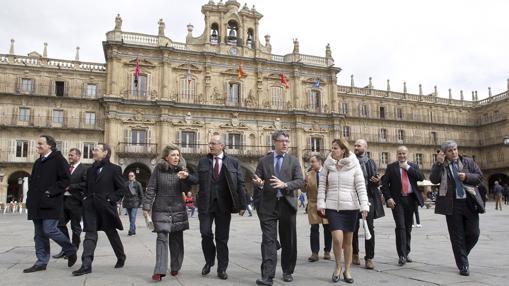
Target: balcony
x=10 y=156
x=67 y=122
x=127 y=149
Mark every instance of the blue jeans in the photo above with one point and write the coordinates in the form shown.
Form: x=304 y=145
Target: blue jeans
x=132 y=219
x=44 y=229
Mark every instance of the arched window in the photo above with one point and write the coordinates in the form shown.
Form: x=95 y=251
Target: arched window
x=250 y=38
x=276 y=95
x=214 y=34
x=233 y=31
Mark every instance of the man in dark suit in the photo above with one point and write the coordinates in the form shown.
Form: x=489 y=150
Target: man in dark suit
x=105 y=187
x=47 y=183
x=221 y=193
x=453 y=172
x=73 y=207
x=279 y=175
x=399 y=186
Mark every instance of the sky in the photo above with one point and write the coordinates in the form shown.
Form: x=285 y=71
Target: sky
x=462 y=45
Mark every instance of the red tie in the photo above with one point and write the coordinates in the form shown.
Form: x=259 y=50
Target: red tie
x=216 y=168
x=71 y=167
x=404 y=182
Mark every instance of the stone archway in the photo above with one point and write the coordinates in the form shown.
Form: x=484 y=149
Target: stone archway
x=500 y=177
x=141 y=171
x=15 y=186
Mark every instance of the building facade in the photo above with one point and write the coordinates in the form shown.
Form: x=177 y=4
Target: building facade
x=224 y=81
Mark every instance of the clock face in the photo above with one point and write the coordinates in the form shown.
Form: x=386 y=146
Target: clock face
x=233 y=51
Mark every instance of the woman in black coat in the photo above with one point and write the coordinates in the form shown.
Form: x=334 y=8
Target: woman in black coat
x=46 y=186
x=165 y=197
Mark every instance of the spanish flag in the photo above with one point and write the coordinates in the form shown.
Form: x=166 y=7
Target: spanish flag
x=283 y=80
x=241 y=71
x=137 y=72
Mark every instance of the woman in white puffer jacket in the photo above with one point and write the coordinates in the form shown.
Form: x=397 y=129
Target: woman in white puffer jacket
x=341 y=196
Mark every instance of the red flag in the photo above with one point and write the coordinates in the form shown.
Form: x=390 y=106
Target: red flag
x=137 y=72
x=241 y=71
x=284 y=80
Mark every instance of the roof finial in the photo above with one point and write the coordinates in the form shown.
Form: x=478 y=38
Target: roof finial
x=489 y=91
x=420 y=89
x=388 y=85
x=461 y=95
x=45 y=51
x=404 y=87
x=296 y=46
x=450 y=94
x=370 y=85
x=328 y=53
x=435 y=93
x=352 y=84
x=118 y=23
x=476 y=97
x=77 y=57
x=11 y=52
x=508 y=84
x=161 y=27
x=473 y=95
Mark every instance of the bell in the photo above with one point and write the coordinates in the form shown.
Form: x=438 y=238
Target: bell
x=232 y=35
x=214 y=34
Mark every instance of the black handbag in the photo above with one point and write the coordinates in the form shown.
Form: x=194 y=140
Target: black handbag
x=479 y=206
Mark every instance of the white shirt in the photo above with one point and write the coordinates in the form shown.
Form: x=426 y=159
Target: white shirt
x=73 y=169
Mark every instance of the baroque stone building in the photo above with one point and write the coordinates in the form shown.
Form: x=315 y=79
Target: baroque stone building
x=224 y=81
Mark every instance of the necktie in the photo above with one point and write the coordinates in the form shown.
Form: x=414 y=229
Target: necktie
x=71 y=168
x=460 y=193
x=277 y=170
x=317 y=179
x=216 y=167
x=404 y=182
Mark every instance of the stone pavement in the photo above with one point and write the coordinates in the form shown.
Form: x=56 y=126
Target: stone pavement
x=431 y=251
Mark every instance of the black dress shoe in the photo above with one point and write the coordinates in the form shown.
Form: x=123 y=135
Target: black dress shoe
x=402 y=261
x=464 y=271
x=264 y=281
x=72 y=259
x=287 y=277
x=408 y=259
x=35 y=268
x=347 y=279
x=82 y=271
x=222 y=275
x=120 y=262
x=61 y=254
x=206 y=269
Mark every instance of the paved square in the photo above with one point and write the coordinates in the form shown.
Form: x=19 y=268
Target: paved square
x=431 y=251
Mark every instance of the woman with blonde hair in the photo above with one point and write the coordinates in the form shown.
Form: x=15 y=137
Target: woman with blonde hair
x=169 y=214
x=341 y=195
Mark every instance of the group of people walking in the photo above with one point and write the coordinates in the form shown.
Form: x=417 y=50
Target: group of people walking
x=341 y=189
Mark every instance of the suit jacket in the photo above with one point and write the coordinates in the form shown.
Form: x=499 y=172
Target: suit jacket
x=78 y=184
x=103 y=192
x=473 y=176
x=291 y=174
x=46 y=186
x=391 y=182
x=232 y=200
x=132 y=201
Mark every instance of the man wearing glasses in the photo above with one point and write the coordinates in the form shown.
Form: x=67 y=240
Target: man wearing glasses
x=221 y=193
x=279 y=176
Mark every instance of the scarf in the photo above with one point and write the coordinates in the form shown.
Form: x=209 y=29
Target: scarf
x=368 y=169
x=99 y=164
x=443 y=182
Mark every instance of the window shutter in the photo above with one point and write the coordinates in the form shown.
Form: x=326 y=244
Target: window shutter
x=309 y=143
x=130 y=83
x=179 y=137
x=126 y=135
x=12 y=149
x=322 y=144
x=149 y=135
x=32 y=91
x=66 y=88
x=31 y=147
x=17 y=87
x=84 y=90
x=225 y=139
x=227 y=92
x=51 y=89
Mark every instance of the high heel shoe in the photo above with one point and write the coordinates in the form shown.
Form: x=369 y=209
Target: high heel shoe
x=347 y=280
x=336 y=278
x=157 y=277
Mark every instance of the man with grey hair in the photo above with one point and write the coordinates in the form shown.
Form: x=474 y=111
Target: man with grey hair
x=221 y=193
x=279 y=176
x=455 y=173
